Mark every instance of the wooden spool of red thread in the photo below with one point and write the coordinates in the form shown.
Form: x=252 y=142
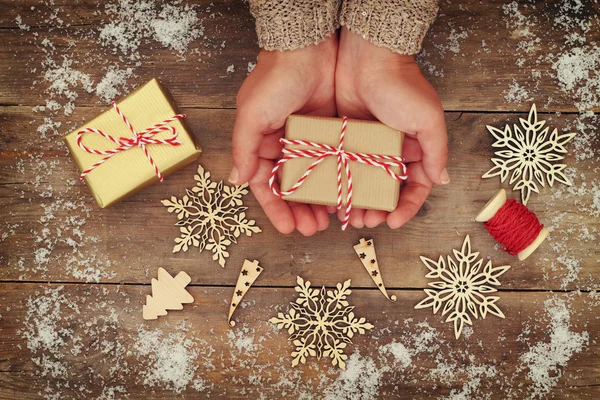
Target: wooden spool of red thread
x=489 y=211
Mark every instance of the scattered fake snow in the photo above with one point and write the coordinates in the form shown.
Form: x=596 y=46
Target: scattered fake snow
x=67 y=76
x=43 y=332
x=113 y=83
x=546 y=361
x=59 y=326
x=133 y=23
x=578 y=71
x=169 y=360
x=360 y=380
x=517 y=94
x=46 y=327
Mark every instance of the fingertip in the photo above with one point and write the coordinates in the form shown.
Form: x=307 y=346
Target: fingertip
x=244 y=166
x=356 y=217
x=284 y=226
x=234 y=176
x=321 y=216
x=286 y=230
x=445 y=177
x=437 y=174
x=394 y=223
x=277 y=210
x=374 y=218
x=305 y=220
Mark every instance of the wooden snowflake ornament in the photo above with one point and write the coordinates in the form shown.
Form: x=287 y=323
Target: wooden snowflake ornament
x=321 y=323
x=365 y=250
x=250 y=271
x=211 y=216
x=529 y=152
x=462 y=287
x=168 y=293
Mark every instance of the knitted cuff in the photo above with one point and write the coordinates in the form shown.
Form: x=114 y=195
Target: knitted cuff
x=292 y=24
x=398 y=25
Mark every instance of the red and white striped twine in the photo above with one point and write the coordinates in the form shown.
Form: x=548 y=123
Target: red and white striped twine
x=140 y=139
x=321 y=152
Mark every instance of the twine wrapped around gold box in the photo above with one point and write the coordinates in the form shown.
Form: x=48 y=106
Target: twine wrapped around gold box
x=132 y=145
x=340 y=161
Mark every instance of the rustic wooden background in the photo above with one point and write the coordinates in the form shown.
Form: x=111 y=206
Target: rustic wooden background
x=92 y=267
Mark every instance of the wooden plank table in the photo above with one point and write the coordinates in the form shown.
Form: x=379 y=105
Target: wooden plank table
x=74 y=277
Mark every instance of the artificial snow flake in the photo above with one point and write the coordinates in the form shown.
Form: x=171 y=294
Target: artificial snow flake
x=321 y=323
x=211 y=216
x=529 y=153
x=462 y=287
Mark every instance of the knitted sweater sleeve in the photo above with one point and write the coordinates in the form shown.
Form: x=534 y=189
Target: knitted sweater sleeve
x=398 y=25
x=292 y=24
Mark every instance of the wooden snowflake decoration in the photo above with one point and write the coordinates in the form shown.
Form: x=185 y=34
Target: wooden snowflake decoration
x=211 y=216
x=529 y=153
x=321 y=323
x=462 y=288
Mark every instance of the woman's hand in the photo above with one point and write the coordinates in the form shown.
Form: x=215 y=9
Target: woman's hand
x=375 y=83
x=283 y=83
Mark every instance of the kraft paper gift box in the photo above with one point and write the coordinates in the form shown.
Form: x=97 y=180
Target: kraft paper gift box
x=373 y=188
x=130 y=170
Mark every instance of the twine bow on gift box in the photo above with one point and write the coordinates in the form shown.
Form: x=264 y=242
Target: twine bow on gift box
x=140 y=139
x=343 y=156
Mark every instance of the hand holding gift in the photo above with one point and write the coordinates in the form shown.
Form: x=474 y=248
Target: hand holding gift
x=371 y=83
x=375 y=83
x=283 y=83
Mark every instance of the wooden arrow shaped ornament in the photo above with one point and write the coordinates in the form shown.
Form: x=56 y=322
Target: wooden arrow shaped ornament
x=250 y=271
x=365 y=250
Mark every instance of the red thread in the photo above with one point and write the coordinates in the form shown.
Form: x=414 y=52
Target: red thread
x=514 y=227
x=343 y=156
x=140 y=139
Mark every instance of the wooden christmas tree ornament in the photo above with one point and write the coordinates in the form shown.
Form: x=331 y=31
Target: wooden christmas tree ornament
x=365 y=250
x=168 y=293
x=536 y=232
x=250 y=271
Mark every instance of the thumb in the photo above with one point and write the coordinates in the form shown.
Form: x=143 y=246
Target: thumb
x=247 y=136
x=433 y=139
x=416 y=110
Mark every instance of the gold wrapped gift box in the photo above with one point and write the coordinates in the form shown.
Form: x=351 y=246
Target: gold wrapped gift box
x=130 y=170
x=373 y=188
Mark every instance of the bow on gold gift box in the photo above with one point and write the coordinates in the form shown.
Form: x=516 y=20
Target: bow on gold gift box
x=133 y=145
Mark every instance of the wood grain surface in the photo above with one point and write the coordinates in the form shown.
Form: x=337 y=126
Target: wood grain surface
x=73 y=278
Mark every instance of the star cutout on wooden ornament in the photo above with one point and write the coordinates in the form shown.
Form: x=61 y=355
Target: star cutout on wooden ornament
x=211 y=216
x=462 y=288
x=367 y=247
x=321 y=323
x=529 y=152
x=248 y=274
